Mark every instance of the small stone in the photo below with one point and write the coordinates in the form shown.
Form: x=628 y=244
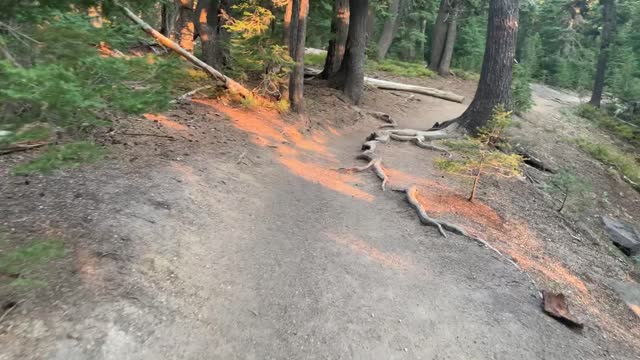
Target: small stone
x=73 y=335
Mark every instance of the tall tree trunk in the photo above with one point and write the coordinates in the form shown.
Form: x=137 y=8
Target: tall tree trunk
x=185 y=24
x=338 y=42
x=420 y=48
x=389 y=29
x=287 y=23
x=606 y=38
x=221 y=45
x=494 y=87
x=438 y=35
x=206 y=24
x=447 y=53
x=166 y=22
x=350 y=78
x=296 y=81
x=371 y=22
x=95 y=15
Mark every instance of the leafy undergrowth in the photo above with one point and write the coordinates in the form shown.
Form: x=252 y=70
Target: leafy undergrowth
x=21 y=265
x=315 y=60
x=620 y=129
x=466 y=75
x=83 y=76
x=391 y=66
x=61 y=156
x=611 y=155
x=401 y=68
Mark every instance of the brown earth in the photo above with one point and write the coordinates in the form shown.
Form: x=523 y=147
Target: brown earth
x=236 y=238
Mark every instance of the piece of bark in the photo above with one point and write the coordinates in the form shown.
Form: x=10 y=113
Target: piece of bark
x=555 y=305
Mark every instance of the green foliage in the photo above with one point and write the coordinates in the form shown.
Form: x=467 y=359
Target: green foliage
x=470 y=44
x=479 y=156
x=572 y=187
x=620 y=129
x=521 y=89
x=22 y=263
x=315 y=60
x=625 y=163
x=401 y=68
x=29 y=133
x=282 y=106
x=61 y=156
x=493 y=133
x=70 y=84
x=253 y=47
x=466 y=74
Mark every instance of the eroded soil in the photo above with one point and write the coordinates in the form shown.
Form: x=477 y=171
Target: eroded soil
x=236 y=238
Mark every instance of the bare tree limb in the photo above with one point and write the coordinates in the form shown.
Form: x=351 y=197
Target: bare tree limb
x=229 y=83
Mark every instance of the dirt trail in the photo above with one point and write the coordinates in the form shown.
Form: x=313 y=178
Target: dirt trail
x=248 y=246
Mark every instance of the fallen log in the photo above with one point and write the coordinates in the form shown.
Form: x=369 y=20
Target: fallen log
x=390 y=85
x=22 y=147
x=228 y=83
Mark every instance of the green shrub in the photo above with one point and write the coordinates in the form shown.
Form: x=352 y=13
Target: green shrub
x=625 y=163
x=610 y=123
x=22 y=263
x=316 y=60
x=71 y=84
x=479 y=154
x=61 y=156
x=466 y=74
x=569 y=186
x=401 y=68
x=521 y=89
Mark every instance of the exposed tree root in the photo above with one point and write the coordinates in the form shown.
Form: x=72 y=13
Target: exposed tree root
x=422 y=214
x=418 y=137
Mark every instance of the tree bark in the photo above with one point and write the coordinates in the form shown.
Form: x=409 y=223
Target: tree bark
x=389 y=30
x=390 y=85
x=296 y=81
x=438 y=35
x=287 y=23
x=185 y=24
x=447 y=53
x=494 y=86
x=338 y=42
x=371 y=22
x=206 y=25
x=420 y=44
x=350 y=78
x=95 y=15
x=606 y=38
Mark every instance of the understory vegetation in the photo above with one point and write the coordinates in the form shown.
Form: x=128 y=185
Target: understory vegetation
x=20 y=266
x=611 y=155
x=479 y=155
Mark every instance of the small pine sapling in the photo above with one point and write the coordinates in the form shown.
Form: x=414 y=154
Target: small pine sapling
x=478 y=155
x=565 y=182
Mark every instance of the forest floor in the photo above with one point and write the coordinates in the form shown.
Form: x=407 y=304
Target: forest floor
x=236 y=238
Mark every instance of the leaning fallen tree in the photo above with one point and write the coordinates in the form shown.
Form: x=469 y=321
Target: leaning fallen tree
x=390 y=85
x=227 y=82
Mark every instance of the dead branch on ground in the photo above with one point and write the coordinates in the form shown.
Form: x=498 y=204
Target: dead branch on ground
x=22 y=147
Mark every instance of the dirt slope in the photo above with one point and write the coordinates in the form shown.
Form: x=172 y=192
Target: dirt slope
x=238 y=240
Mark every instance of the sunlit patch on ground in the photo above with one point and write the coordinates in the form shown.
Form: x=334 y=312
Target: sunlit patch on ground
x=88 y=269
x=513 y=238
x=186 y=172
x=304 y=155
x=164 y=121
x=361 y=247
